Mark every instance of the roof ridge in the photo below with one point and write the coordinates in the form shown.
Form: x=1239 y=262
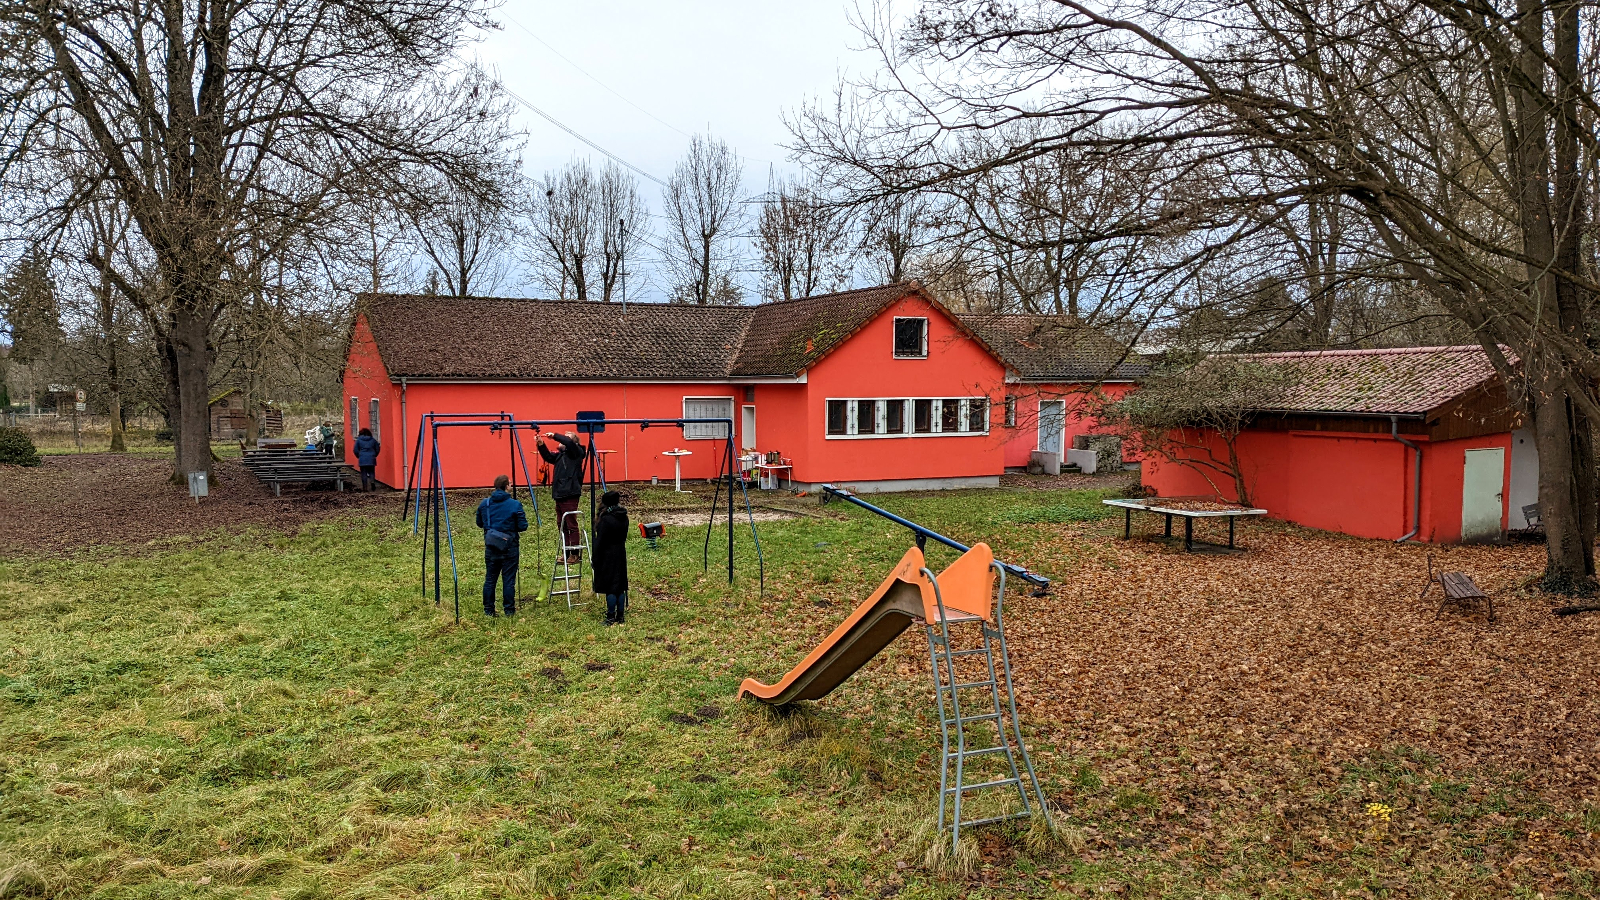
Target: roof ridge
x=1311 y=354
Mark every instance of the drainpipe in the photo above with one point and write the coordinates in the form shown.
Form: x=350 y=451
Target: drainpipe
x=1416 y=481
x=405 y=464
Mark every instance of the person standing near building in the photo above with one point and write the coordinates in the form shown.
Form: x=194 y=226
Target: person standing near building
x=367 y=449
x=611 y=556
x=502 y=519
x=566 y=483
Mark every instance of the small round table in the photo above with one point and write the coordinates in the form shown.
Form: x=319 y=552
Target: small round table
x=677 y=467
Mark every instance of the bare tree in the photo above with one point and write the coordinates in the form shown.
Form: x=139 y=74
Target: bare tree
x=465 y=231
x=703 y=214
x=624 y=225
x=211 y=121
x=566 y=228
x=804 y=241
x=1463 y=137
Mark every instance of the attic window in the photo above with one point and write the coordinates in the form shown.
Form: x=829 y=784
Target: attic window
x=910 y=338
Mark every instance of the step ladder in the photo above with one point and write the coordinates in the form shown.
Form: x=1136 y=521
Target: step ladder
x=977 y=703
x=569 y=575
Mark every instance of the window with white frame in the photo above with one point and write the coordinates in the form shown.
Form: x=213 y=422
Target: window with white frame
x=881 y=417
x=707 y=408
x=910 y=338
x=372 y=420
x=1011 y=411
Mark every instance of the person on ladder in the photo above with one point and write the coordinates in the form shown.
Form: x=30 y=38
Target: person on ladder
x=566 y=484
x=502 y=519
x=611 y=556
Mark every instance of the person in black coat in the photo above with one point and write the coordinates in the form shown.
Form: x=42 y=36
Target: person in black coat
x=367 y=448
x=611 y=556
x=501 y=514
x=566 y=483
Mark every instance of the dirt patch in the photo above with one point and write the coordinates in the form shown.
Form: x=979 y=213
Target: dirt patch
x=112 y=499
x=682 y=519
x=1069 y=482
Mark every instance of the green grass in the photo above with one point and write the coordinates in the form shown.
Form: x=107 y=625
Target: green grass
x=275 y=715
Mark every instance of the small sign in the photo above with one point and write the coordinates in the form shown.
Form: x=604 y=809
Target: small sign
x=591 y=421
x=197 y=485
x=62 y=388
x=80 y=405
x=81 y=397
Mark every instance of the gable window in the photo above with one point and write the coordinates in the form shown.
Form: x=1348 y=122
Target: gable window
x=707 y=408
x=372 y=420
x=910 y=338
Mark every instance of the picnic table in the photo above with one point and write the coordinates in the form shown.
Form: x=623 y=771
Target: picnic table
x=1188 y=511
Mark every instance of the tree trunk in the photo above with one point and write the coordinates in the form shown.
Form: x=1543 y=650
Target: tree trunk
x=1566 y=490
x=191 y=358
x=1240 y=491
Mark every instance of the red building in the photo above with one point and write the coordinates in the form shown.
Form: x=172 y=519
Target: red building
x=881 y=388
x=1415 y=443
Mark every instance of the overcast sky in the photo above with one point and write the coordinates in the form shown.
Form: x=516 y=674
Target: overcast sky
x=731 y=69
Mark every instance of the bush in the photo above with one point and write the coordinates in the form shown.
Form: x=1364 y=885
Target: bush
x=16 y=448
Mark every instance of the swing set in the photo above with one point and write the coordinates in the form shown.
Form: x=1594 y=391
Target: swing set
x=428 y=505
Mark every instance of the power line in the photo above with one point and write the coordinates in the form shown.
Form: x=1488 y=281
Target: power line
x=558 y=123
x=608 y=87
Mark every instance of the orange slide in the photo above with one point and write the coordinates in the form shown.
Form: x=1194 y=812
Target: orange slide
x=905 y=598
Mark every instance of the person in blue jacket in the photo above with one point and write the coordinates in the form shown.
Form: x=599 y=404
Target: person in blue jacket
x=502 y=519
x=367 y=449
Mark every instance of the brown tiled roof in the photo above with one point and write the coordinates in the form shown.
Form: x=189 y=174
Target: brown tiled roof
x=489 y=338
x=787 y=336
x=1043 y=348
x=448 y=337
x=1409 y=380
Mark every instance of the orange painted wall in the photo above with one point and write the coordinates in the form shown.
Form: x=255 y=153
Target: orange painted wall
x=472 y=457
x=865 y=367
x=1021 y=441
x=365 y=378
x=1357 y=484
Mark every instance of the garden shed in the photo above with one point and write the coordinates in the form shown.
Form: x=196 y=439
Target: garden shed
x=1417 y=443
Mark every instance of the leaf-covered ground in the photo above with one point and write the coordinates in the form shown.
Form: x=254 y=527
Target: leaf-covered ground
x=278 y=713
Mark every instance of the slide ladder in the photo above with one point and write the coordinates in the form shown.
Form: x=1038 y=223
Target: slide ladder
x=955 y=601
x=569 y=574
x=969 y=708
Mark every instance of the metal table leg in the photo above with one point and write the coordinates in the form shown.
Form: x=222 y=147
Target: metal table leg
x=1127 y=522
x=1231 y=520
x=1169 y=524
x=1188 y=534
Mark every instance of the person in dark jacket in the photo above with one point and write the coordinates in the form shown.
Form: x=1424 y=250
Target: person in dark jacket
x=566 y=483
x=501 y=514
x=611 y=556
x=367 y=449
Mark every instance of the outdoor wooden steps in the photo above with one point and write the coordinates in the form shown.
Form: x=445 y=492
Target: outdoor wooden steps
x=278 y=467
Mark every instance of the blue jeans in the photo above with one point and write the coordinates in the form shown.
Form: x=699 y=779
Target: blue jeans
x=616 y=605
x=501 y=567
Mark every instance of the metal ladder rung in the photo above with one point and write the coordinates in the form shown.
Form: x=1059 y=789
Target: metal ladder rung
x=986 y=784
x=978 y=652
x=969 y=684
x=999 y=748
x=1021 y=814
x=986 y=717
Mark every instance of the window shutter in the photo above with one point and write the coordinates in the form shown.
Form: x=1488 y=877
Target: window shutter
x=707 y=408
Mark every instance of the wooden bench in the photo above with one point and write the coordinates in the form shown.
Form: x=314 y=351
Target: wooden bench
x=1458 y=587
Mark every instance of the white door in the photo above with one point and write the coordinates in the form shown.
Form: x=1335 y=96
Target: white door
x=1524 y=476
x=747 y=428
x=1052 y=422
x=1483 y=494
